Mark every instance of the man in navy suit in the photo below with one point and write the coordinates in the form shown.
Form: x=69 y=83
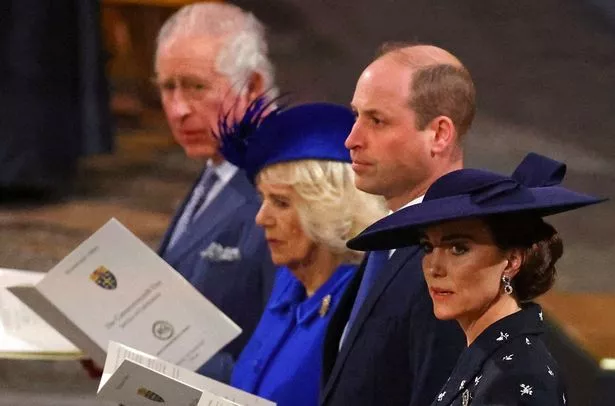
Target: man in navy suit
x=211 y=59
x=384 y=346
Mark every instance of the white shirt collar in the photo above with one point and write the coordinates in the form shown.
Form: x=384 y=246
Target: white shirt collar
x=224 y=170
x=410 y=203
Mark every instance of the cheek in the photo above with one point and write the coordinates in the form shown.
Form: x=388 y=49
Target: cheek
x=420 y=155
x=477 y=288
x=208 y=112
x=234 y=104
x=300 y=245
x=474 y=289
x=393 y=155
x=294 y=248
x=298 y=241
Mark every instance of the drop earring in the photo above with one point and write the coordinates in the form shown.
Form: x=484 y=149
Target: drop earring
x=508 y=289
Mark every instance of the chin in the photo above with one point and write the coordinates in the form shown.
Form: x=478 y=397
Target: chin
x=365 y=185
x=199 y=152
x=443 y=313
x=278 y=260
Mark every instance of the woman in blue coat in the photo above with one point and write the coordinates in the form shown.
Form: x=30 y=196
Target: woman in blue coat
x=488 y=253
x=310 y=208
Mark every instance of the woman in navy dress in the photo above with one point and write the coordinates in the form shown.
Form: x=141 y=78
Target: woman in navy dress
x=488 y=254
x=297 y=160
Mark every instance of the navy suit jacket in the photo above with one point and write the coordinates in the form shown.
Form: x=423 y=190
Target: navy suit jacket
x=240 y=287
x=396 y=352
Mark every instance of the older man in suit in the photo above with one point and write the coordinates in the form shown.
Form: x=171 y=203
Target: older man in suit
x=384 y=346
x=212 y=59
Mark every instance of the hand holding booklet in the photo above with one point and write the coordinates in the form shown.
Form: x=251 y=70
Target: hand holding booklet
x=134 y=378
x=114 y=287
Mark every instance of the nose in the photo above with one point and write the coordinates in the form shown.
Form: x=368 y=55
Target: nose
x=263 y=219
x=354 y=139
x=177 y=106
x=434 y=264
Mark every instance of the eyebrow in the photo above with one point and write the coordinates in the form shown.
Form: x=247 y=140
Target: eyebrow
x=188 y=77
x=453 y=237
x=279 y=197
x=373 y=112
x=274 y=196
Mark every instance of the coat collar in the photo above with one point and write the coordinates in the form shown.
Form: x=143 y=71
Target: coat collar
x=292 y=296
x=527 y=321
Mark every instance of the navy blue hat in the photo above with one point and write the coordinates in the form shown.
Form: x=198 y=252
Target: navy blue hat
x=307 y=131
x=532 y=189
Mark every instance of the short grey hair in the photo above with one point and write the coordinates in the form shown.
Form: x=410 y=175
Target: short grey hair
x=331 y=209
x=245 y=50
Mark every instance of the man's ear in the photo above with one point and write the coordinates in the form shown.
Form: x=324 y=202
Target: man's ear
x=255 y=86
x=444 y=134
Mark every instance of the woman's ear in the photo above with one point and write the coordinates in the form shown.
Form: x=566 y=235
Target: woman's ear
x=513 y=262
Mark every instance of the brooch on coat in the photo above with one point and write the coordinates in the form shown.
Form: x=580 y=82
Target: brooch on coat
x=465 y=398
x=324 y=305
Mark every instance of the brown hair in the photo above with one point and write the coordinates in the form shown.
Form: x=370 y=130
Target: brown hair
x=443 y=90
x=541 y=248
x=438 y=88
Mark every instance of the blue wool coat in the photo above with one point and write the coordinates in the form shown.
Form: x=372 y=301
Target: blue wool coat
x=281 y=362
x=239 y=285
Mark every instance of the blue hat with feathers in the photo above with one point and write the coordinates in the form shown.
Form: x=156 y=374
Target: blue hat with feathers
x=533 y=189
x=267 y=135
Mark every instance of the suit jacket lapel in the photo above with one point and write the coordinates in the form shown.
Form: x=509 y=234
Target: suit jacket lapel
x=338 y=323
x=231 y=197
x=395 y=264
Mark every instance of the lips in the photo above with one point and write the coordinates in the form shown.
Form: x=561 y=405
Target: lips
x=358 y=166
x=440 y=293
x=191 y=133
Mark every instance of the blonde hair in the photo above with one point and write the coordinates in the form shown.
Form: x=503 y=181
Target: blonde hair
x=331 y=209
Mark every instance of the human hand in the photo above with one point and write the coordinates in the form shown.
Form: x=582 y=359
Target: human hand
x=93 y=370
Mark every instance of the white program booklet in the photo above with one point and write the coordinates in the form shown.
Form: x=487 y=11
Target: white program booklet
x=114 y=287
x=23 y=334
x=134 y=378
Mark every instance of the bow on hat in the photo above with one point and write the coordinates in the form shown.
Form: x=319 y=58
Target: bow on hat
x=534 y=171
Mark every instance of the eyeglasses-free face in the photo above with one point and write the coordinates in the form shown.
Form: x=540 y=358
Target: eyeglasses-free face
x=193 y=93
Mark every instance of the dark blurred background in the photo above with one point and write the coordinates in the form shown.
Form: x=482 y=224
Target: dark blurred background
x=545 y=76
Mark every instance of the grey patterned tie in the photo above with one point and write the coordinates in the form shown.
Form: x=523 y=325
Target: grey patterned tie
x=202 y=191
x=191 y=211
